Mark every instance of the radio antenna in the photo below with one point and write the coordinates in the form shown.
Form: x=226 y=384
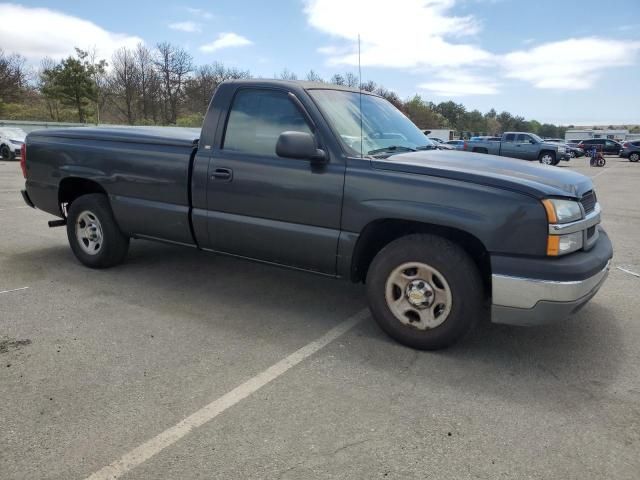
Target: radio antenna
x=360 y=88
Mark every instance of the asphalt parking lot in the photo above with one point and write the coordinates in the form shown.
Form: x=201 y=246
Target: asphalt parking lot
x=101 y=369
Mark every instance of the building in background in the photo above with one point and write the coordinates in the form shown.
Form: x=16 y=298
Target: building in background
x=619 y=135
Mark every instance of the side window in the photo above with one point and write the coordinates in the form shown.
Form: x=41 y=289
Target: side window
x=257 y=119
x=520 y=138
x=510 y=138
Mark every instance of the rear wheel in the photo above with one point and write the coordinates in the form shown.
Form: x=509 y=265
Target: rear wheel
x=572 y=154
x=424 y=291
x=94 y=235
x=634 y=157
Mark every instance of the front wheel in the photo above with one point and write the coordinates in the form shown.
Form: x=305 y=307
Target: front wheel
x=424 y=291
x=634 y=157
x=6 y=153
x=547 y=158
x=94 y=235
x=572 y=154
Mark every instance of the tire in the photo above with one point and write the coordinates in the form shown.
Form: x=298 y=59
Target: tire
x=634 y=157
x=547 y=158
x=572 y=154
x=94 y=235
x=424 y=263
x=602 y=162
x=6 y=153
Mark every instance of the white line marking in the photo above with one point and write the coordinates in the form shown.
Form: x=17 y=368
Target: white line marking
x=13 y=290
x=598 y=174
x=12 y=208
x=629 y=272
x=171 y=435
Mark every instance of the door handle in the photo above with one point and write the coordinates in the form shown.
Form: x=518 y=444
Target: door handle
x=222 y=174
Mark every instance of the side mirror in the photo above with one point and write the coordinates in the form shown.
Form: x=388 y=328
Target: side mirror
x=300 y=145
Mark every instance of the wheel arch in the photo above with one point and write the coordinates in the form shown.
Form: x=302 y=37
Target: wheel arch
x=379 y=233
x=70 y=188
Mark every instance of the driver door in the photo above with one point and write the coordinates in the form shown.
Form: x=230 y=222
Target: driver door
x=265 y=207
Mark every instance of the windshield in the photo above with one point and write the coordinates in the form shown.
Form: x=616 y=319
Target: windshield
x=384 y=128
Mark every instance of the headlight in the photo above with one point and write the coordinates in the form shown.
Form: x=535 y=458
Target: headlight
x=563 y=244
x=562 y=211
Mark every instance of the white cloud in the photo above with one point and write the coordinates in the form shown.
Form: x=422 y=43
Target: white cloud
x=458 y=83
x=200 y=13
x=40 y=32
x=189 y=27
x=226 y=40
x=408 y=34
x=573 y=64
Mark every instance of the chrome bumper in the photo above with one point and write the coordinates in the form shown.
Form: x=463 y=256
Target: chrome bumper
x=528 y=301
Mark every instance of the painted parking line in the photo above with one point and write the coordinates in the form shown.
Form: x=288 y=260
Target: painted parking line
x=13 y=290
x=629 y=272
x=171 y=435
x=12 y=208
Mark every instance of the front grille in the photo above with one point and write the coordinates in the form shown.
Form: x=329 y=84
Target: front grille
x=591 y=231
x=588 y=201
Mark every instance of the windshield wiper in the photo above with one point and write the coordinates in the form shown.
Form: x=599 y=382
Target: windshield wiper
x=427 y=147
x=392 y=148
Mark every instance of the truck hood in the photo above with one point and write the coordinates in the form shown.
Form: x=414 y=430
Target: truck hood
x=171 y=136
x=531 y=178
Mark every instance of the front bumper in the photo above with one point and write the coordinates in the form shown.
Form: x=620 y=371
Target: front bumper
x=527 y=301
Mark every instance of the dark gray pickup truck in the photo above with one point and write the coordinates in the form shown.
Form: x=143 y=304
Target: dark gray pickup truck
x=522 y=145
x=290 y=173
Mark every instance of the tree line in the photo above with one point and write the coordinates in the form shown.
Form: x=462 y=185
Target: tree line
x=163 y=86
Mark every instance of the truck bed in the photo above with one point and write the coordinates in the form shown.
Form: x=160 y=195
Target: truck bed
x=145 y=172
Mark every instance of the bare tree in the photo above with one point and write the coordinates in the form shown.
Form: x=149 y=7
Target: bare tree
x=287 y=74
x=173 y=64
x=337 y=79
x=200 y=87
x=12 y=77
x=124 y=83
x=146 y=78
x=351 y=79
x=312 y=76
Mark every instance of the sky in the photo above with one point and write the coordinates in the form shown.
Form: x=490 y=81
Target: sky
x=558 y=61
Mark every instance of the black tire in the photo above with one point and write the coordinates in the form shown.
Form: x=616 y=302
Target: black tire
x=112 y=246
x=459 y=273
x=548 y=158
x=6 y=153
x=572 y=154
x=634 y=157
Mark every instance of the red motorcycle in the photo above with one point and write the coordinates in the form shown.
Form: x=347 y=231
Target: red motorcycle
x=597 y=158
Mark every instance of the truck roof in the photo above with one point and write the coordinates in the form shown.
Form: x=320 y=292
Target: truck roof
x=303 y=84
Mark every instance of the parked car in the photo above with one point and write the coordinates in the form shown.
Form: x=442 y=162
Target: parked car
x=527 y=146
x=11 y=140
x=276 y=176
x=441 y=144
x=574 y=151
x=456 y=144
x=630 y=150
x=604 y=145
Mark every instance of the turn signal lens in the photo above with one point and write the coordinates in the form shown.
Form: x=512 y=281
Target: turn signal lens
x=553 y=245
x=551 y=211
